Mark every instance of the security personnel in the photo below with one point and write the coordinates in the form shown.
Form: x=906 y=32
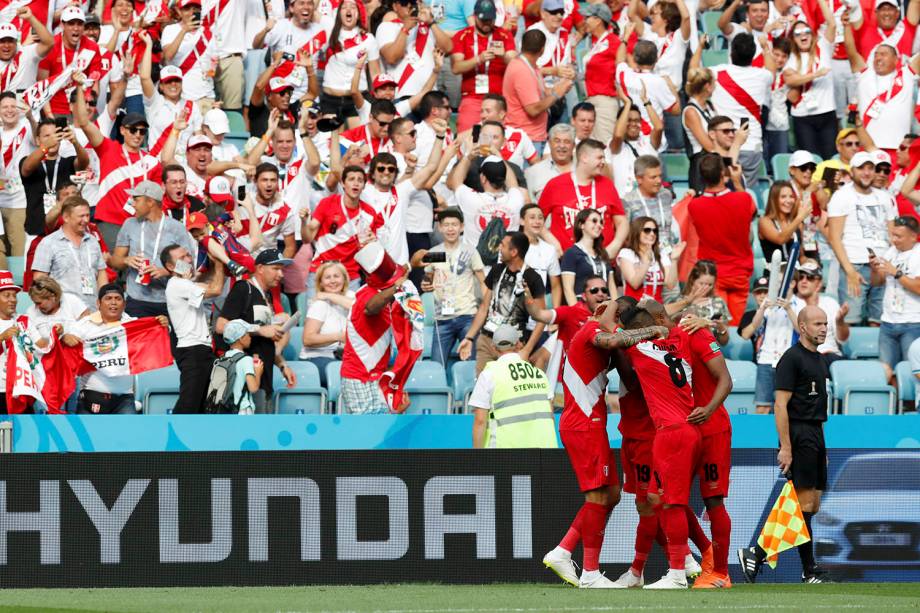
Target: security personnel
x=510 y=399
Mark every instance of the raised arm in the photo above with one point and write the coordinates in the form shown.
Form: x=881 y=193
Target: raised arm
x=910 y=183
x=625 y=339
x=422 y=175
x=857 y=63
x=81 y=114
x=725 y=21
x=45 y=39
x=144 y=72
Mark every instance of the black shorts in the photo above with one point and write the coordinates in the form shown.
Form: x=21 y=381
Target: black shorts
x=809 y=455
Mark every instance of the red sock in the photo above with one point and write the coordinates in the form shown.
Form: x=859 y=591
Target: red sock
x=721 y=535
x=571 y=538
x=674 y=522
x=645 y=535
x=593 y=522
x=695 y=531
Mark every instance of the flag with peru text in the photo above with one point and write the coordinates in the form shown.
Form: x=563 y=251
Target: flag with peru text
x=129 y=348
x=25 y=376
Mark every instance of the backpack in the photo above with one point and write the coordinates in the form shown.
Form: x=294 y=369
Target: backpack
x=220 y=390
x=490 y=240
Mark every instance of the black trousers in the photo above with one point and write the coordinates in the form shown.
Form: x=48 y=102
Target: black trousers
x=817 y=133
x=416 y=241
x=194 y=365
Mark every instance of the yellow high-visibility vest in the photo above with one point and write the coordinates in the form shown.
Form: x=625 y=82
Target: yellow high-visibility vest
x=521 y=415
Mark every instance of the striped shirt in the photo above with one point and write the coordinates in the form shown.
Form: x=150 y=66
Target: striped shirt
x=337 y=237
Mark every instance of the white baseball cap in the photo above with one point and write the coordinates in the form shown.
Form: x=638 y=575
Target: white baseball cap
x=217 y=121
x=862 y=158
x=8 y=30
x=879 y=3
x=800 y=158
x=168 y=73
x=72 y=13
x=277 y=84
x=880 y=156
x=199 y=139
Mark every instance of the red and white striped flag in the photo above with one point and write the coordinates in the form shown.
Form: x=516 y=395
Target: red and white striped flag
x=129 y=348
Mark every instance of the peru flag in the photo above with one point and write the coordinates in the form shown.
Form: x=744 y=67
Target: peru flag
x=129 y=348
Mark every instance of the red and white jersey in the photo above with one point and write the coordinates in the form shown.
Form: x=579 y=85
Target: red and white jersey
x=161 y=115
x=196 y=57
x=556 y=52
x=635 y=421
x=367 y=340
x=584 y=382
x=342 y=61
x=21 y=71
x=870 y=36
x=656 y=88
x=518 y=147
x=275 y=221
x=416 y=64
x=741 y=92
x=119 y=171
x=664 y=371
x=361 y=135
x=339 y=226
x=886 y=103
x=289 y=38
x=86 y=58
x=672 y=49
x=703 y=348
x=391 y=205
x=15 y=144
x=737 y=28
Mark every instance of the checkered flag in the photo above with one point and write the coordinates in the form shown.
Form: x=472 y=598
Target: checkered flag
x=785 y=527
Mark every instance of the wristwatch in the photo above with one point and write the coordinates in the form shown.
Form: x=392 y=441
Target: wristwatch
x=899 y=274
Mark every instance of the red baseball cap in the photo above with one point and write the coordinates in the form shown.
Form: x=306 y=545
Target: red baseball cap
x=382 y=80
x=7 y=282
x=185 y=3
x=196 y=220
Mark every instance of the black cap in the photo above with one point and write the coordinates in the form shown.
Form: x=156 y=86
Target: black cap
x=270 y=257
x=133 y=119
x=493 y=169
x=762 y=284
x=485 y=10
x=92 y=19
x=111 y=288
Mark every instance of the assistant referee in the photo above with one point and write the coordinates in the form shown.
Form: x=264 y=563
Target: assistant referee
x=800 y=409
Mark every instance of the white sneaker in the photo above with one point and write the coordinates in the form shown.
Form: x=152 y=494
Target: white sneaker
x=600 y=581
x=562 y=566
x=668 y=582
x=628 y=579
x=692 y=567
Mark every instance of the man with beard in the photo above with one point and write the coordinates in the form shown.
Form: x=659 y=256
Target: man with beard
x=70 y=47
x=20 y=64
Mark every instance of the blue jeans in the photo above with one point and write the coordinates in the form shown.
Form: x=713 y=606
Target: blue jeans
x=763 y=386
x=674 y=132
x=774 y=141
x=446 y=333
x=320 y=364
x=894 y=341
x=868 y=305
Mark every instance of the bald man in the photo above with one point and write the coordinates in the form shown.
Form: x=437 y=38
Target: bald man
x=801 y=410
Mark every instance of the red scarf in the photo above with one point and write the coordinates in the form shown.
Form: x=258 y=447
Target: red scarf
x=739 y=94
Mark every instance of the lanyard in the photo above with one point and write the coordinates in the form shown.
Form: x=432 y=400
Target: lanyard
x=536 y=76
x=156 y=244
x=495 y=294
x=76 y=256
x=595 y=48
x=50 y=186
x=578 y=192
x=76 y=53
x=350 y=220
x=124 y=152
x=597 y=264
x=476 y=49
x=10 y=72
x=660 y=218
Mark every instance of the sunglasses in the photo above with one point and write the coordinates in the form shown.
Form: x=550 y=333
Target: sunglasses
x=850 y=143
x=411 y=133
x=136 y=130
x=883 y=170
x=808 y=168
x=386 y=169
x=727 y=130
x=809 y=276
x=649 y=230
x=804 y=32
x=598 y=290
x=382 y=124
x=556 y=12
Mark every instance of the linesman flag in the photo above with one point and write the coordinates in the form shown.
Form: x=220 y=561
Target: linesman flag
x=785 y=527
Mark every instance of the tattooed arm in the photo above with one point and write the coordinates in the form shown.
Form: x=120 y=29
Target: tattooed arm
x=627 y=338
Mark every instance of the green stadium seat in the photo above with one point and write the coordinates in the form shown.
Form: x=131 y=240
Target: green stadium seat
x=17 y=266
x=463 y=375
x=780 y=164
x=237 y=123
x=714 y=57
x=710 y=20
x=861 y=388
x=428 y=390
x=676 y=166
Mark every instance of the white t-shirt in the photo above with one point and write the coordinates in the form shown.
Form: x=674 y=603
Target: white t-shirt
x=15 y=144
x=276 y=231
x=33 y=333
x=657 y=90
x=830 y=307
x=70 y=311
x=624 y=162
x=105 y=35
x=161 y=114
x=756 y=83
x=901 y=306
x=421 y=64
x=888 y=122
x=392 y=205
x=819 y=96
x=542 y=258
x=556 y=51
x=24 y=70
x=189 y=319
x=518 y=147
x=403 y=109
x=693 y=7
x=341 y=66
x=334 y=320
x=672 y=49
x=196 y=83
x=480 y=207
x=654 y=278
x=98 y=381
x=289 y=38
x=867 y=217
x=777 y=337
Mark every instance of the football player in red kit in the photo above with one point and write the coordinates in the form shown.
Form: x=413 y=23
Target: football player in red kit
x=711 y=385
x=583 y=429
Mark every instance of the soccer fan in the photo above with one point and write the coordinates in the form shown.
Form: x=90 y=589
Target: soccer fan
x=801 y=170
x=583 y=429
x=570 y=318
x=71 y=49
x=586 y=187
x=584 y=118
x=859 y=219
x=383 y=87
x=781 y=225
x=556 y=61
x=163 y=105
x=801 y=410
x=656 y=93
x=189 y=46
x=270 y=93
x=275 y=219
x=606 y=50
x=290 y=154
x=542 y=255
x=491 y=142
x=670 y=32
x=17 y=142
x=808 y=281
x=722 y=219
x=647 y=269
x=558 y=161
x=727 y=141
x=374 y=135
x=517 y=146
x=586 y=257
x=22 y=61
x=297 y=36
x=189 y=315
x=481 y=53
x=408 y=37
x=650 y=200
x=754 y=24
x=630 y=141
x=349 y=46
x=884 y=27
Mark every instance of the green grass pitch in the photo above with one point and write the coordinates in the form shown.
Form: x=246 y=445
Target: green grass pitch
x=497 y=598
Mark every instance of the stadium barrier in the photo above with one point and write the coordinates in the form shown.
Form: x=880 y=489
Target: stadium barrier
x=359 y=517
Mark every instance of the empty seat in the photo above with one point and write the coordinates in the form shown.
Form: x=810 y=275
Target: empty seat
x=737 y=347
x=744 y=379
x=295 y=344
x=307 y=396
x=16 y=265
x=907 y=384
x=714 y=57
x=237 y=123
x=463 y=375
x=710 y=21
x=333 y=384
x=428 y=389
x=676 y=166
x=158 y=390
x=780 y=164
x=428 y=305
x=863 y=343
x=860 y=388
x=429 y=339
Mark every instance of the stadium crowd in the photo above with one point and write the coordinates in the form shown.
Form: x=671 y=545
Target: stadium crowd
x=240 y=171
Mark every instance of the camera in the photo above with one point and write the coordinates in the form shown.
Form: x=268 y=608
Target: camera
x=436 y=257
x=196 y=15
x=60 y=123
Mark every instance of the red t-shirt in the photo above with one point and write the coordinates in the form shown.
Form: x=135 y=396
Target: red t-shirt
x=119 y=172
x=723 y=223
x=337 y=237
x=572 y=18
x=570 y=319
x=88 y=61
x=361 y=135
x=703 y=348
x=560 y=201
x=470 y=43
x=664 y=371
x=364 y=358
x=584 y=382
x=635 y=421
x=870 y=35
x=601 y=65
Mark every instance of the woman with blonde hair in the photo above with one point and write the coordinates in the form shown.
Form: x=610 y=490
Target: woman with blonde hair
x=781 y=224
x=698 y=306
x=695 y=119
x=327 y=316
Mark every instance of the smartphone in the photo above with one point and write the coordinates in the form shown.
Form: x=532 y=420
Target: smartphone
x=871 y=253
x=196 y=15
x=434 y=257
x=287 y=57
x=241 y=193
x=727 y=162
x=744 y=122
x=476 y=131
x=497 y=47
x=61 y=123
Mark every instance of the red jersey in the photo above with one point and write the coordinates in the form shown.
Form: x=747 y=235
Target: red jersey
x=869 y=36
x=367 y=340
x=562 y=201
x=635 y=421
x=584 y=382
x=570 y=320
x=337 y=237
x=361 y=135
x=88 y=60
x=664 y=371
x=119 y=171
x=571 y=19
x=469 y=43
x=601 y=65
x=723 y=223
x=703 y=347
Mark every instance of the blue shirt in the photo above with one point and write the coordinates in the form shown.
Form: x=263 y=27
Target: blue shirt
x=455 y=14
x=141 y=239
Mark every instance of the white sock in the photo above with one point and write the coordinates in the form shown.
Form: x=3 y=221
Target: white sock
x=678 y=575
x=590 y=575
x=559 y=551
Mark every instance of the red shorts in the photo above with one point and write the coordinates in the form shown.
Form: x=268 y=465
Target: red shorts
x=636 y=457
x=676 y=454
x=591 y=457
x=715 y=464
